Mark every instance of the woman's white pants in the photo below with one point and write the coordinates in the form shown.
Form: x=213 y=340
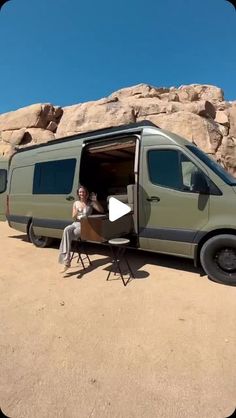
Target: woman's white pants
x=70 y=233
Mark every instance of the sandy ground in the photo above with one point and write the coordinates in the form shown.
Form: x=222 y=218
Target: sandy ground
x=81 y=346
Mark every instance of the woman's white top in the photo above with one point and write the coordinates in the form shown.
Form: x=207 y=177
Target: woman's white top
x=83 y=212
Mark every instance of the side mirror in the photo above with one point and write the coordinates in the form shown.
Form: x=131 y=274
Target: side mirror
x=199 y=183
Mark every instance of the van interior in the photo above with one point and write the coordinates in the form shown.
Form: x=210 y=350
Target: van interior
x=107 y=168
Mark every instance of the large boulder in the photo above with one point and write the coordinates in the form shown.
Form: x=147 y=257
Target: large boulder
x=197 y=112
x=147 y=107
x=232 y=118
x=194 y=92
x=13 y=137
x=94 y=115
x=205 y=133
x=222 y=117
x=6 y=150
x=36 y=136
x=226 y=154
x=34 y=116
x=140 y=91
x=28 y=125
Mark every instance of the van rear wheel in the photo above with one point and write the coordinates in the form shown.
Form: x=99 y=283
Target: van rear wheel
x=38 y=240
x=218 y=259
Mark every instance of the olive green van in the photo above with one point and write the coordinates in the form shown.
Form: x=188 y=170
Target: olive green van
x=3 y=186
x=183 y=203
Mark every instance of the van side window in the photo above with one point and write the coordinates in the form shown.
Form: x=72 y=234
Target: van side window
x=172 y=169
x=54 y=177
x=164 y=168
x=3 y=180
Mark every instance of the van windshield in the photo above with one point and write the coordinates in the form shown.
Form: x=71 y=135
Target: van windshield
x=213 y=165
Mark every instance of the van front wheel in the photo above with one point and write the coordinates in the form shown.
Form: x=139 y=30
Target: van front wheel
x=38 y=240
x=218 y=259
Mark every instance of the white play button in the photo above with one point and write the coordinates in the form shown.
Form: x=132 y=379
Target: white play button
x=117 y=209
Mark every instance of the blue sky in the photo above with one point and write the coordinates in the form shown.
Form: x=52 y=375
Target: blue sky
x=72 y=51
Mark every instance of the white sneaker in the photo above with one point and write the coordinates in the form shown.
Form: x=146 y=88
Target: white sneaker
x=67 y=266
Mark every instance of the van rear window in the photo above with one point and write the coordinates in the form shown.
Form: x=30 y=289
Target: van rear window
x=3 y=180
x=54 y=177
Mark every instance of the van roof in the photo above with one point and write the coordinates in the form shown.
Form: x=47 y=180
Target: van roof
x=116 y=130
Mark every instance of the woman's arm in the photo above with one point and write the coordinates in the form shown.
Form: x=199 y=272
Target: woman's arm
x=95 y=203
x=74 y=211
x=98 y=206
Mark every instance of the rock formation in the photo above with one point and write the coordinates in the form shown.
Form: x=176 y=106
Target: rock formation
x=196 y=112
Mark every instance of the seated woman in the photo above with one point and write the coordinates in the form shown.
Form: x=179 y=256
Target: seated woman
x=81 y=208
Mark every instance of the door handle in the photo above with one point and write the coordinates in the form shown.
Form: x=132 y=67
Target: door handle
x=70 y=198
x=153 y=198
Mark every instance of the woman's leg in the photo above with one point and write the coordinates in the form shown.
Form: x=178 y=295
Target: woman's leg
x=77 y=230
x=70 y=232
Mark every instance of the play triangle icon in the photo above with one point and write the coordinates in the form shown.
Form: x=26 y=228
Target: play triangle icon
x=117 y=209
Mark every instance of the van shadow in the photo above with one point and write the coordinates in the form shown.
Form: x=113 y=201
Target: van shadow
x=168 y=261
x=21 y=237
x=141 y=258
x=137 y=260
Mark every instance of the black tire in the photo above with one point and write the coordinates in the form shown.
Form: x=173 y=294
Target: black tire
x=218 y=259
x=37 y=240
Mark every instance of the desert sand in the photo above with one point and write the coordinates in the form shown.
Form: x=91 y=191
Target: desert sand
x=80 y=346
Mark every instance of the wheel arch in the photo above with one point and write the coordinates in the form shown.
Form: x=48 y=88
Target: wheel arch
x=206 y=237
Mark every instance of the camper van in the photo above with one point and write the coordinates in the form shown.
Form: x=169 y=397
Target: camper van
x=3 y=186
x=183 y=203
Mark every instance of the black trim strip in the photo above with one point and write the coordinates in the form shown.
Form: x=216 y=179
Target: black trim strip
x=51 y=223
x=39 y=222
x=180 y=235
x=18 y=219
x=168 y=234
